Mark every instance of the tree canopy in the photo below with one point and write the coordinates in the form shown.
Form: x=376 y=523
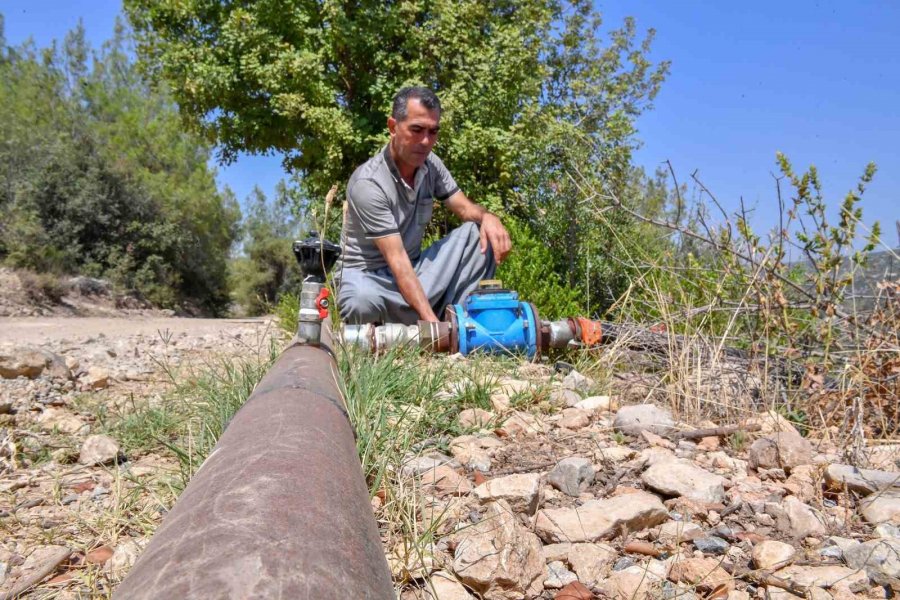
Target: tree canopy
x=533 y=92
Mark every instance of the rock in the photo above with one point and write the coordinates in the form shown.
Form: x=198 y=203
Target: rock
x=711 y=545
x=99 y=450
x=599 y=519
x=574 y=419
x=708 y=444
x=513 y=387
x=771 y=553
x=26 y=361
x=99 y=555
x=125 y=555
x=596 y=404
x=520 y=491
x=633 y=583
x=771 y=422
x=61 y=420
x=632 y=420
x=499 y=558
x=877 y=557
x=591 y=562
x=657 y=440
x=500 y=403
x=802 y=519
x=574 y=591
x=96 y=378
x=883 y=507
x=471 y=418
x=558 y=576
x=704 y=573
x=444 y=481
x=522 y=423
x=825 y=576
x=418 y=465
x=887 y=530
x=863 y=481
x=675 y=532
x=553 y=552
x=572 y=475
x=564 y=397
x=783 y=450
x=615 y=454
x=444 y=586
x=576 y=381
x=682 y=478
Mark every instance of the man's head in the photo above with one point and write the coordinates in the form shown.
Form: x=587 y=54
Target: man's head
x=413 y=124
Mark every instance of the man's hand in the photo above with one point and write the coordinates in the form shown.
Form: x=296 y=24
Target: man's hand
x=494 y=233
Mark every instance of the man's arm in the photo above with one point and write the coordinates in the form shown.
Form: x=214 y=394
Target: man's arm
x=408 y=283
x=492 y=230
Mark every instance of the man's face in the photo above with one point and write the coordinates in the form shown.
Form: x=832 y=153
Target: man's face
x=413 y=138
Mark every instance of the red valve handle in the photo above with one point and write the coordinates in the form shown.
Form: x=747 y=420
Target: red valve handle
x=322 y=302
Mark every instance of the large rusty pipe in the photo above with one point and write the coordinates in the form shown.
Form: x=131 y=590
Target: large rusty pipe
x=279 y=509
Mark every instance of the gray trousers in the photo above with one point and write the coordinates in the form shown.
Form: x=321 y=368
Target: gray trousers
x=448 y=270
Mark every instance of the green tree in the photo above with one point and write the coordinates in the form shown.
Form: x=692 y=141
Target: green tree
x=98 y=177
x=533 y=95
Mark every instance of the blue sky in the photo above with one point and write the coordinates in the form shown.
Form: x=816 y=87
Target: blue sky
x=819 y=81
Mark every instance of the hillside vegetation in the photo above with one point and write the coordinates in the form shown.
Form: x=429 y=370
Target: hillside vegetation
x=98 y=177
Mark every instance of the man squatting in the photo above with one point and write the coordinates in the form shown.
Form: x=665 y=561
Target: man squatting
x=385 y=276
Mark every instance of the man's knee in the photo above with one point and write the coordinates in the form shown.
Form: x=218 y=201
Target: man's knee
x=359 y=306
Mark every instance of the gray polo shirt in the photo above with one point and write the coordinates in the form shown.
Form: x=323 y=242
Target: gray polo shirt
x=380 y=203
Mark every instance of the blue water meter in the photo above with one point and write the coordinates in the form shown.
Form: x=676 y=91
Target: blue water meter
x=493 y=319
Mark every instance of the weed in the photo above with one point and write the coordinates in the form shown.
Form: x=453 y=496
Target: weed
x=737 y=441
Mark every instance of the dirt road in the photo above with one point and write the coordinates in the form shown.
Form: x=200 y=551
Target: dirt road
x=42 y=330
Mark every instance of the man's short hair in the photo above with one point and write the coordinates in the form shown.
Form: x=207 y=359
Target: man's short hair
x=423 y=94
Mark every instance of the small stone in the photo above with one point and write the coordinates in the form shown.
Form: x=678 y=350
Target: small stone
x=444 y=586
x=676 y=532
x=783 y=450
x=564 y=397
x=99 y=450
x=558 y=576
x=771 y=553
x=863 y=481
x=596 y=404
x=598 y=519
x=513 y=387
x=576 y=381
x=499 y=558
x=445 y=481
x=796 y=518
x=519 y=490
x=711 y=545
x=572 y=475
x=708 y=444
x=632 y=420
x=96 y=378
x=574 y=419
x=61 y=420
x=99 y=555
x=522 y=423
x=471 y=418
x=574 y=591
x=418 y=465
x=591 y=562
x=682 y=478
x=877 y=557
x=124 y=556
x=704 y=573
x=633 y=583
x=30 y=362
x=500 y=403
x=825 y=576
x=883 y=507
